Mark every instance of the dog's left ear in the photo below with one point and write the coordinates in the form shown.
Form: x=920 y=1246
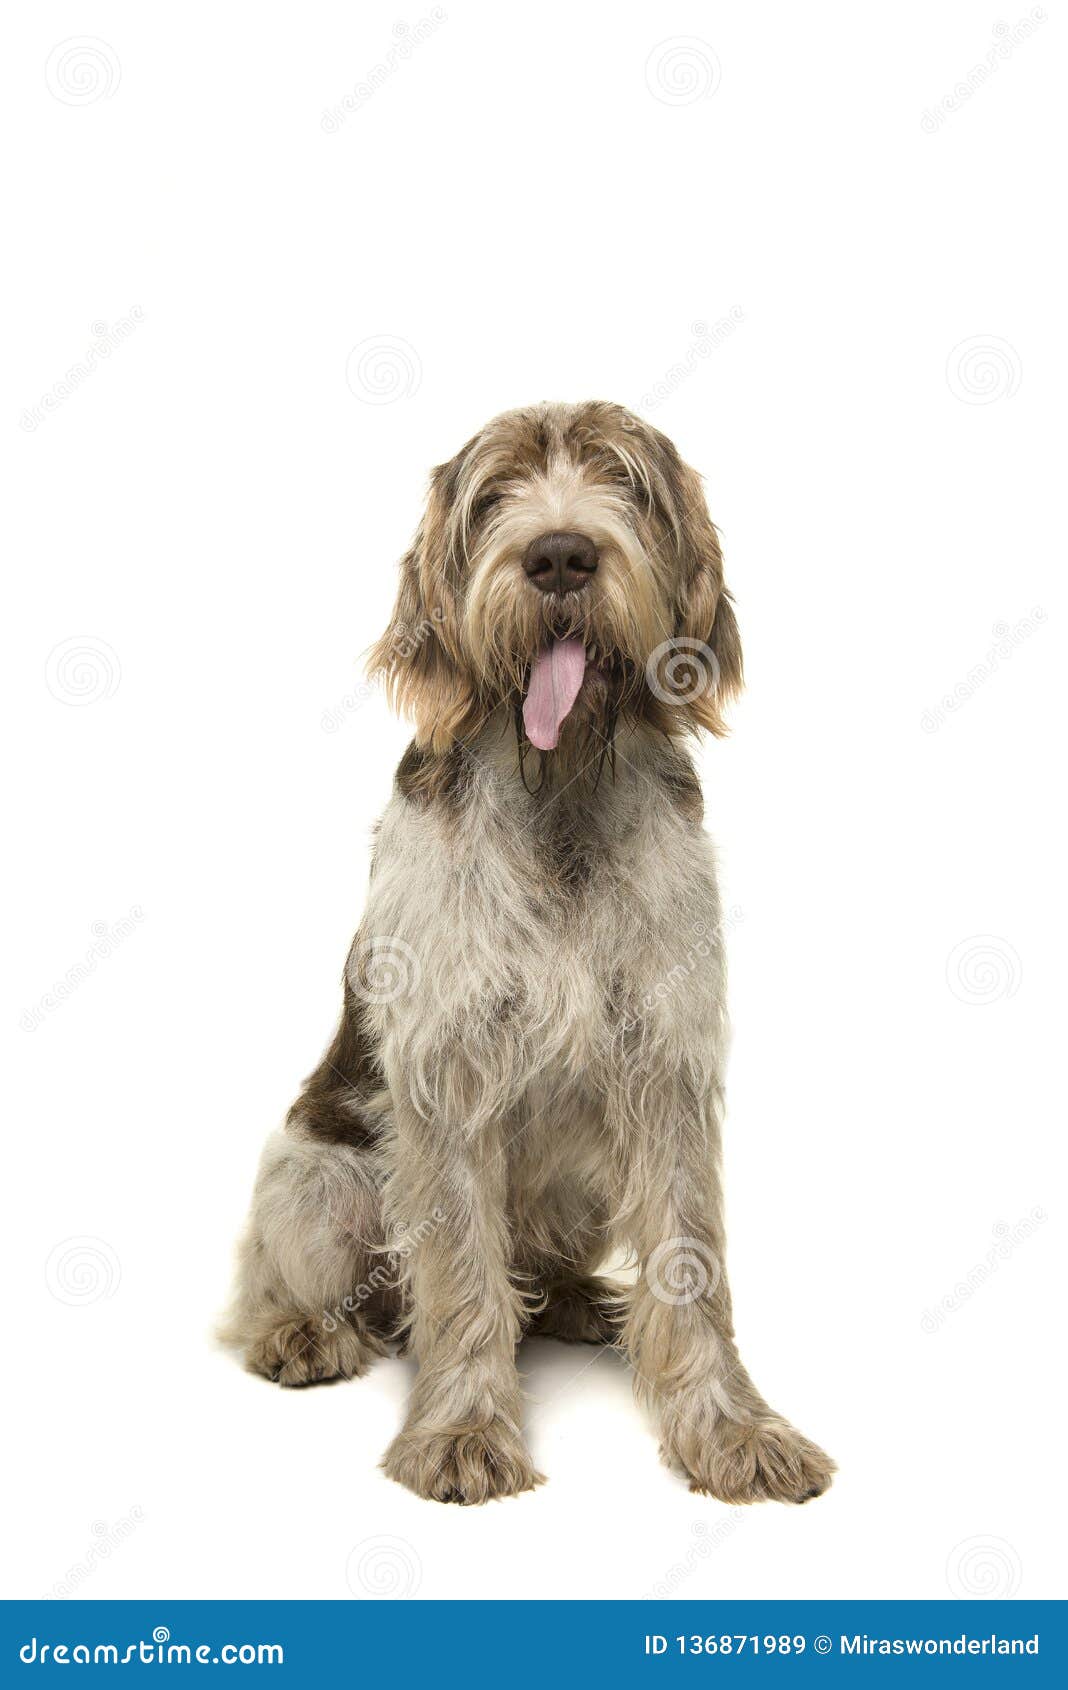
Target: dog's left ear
x=419 y=656
x=705 y=624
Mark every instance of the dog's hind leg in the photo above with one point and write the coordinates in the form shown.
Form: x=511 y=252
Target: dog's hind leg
x=317 y=1293
x=579 y=1309
x=558 y=1250
x=313 y=1293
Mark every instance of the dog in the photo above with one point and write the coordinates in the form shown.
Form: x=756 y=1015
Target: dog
x=524 y=1079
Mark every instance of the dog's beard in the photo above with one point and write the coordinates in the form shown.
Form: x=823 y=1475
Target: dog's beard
x=585 y=740
x=571 y=661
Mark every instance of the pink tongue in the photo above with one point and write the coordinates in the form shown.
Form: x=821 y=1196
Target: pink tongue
x=555 y=679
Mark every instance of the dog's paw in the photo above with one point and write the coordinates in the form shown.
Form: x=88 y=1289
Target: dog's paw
x=758 y=1461
x=467 y=1466
x=305 y=1352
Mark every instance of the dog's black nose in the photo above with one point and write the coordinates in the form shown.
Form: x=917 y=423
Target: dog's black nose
x=560 y=563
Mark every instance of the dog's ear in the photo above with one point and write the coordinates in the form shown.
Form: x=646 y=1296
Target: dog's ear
x=705 y=625
x=419 y=657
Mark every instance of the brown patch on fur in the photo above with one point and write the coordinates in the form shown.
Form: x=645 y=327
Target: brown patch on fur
x=580 y=1309
x=347 y=1076
x=676 y=775
x=426 y=777
x=567 y=858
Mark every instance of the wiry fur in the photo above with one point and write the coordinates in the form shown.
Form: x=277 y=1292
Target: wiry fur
x=528 y=1072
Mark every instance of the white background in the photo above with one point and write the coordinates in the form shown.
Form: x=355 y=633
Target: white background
x=535 y=204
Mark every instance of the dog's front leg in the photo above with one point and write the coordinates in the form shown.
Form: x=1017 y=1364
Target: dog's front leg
x=714 y=1423
x=462 y=1439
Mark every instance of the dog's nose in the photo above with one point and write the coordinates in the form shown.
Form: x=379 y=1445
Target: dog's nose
x=560 y=563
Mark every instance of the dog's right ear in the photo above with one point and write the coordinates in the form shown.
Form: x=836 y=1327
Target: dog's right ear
x=706 y=624
x=419 y=656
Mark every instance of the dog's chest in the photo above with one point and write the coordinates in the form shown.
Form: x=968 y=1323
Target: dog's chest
x=538 y=939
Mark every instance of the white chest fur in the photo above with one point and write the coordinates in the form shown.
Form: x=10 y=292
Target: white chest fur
x=542 y=937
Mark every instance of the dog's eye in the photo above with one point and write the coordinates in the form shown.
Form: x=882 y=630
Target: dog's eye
x=482 y=507
x=616 y=475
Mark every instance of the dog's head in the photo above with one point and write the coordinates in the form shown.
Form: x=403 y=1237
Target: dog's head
x=567 y=562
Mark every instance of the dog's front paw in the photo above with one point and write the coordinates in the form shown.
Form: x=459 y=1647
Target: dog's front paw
x=756 y=1461
x=468 y=1465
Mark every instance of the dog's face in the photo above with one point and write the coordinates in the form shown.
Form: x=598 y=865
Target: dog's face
x=566 y=564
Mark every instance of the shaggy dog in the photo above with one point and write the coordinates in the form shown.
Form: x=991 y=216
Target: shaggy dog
x=524 y=1078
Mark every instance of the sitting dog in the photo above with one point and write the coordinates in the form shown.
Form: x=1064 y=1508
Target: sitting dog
x=524 y=1079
